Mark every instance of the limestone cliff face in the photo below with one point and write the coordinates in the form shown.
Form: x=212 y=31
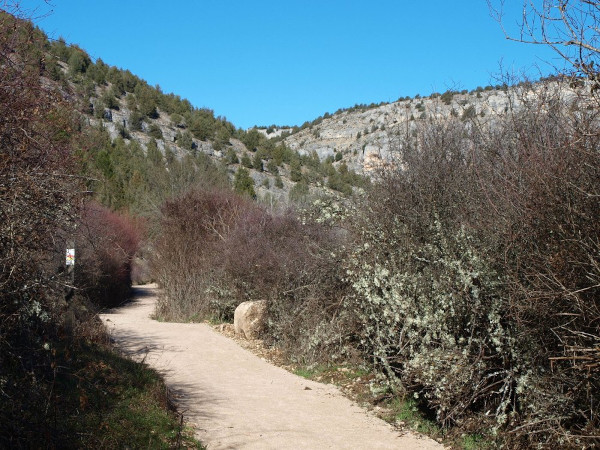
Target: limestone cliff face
x=367 y=137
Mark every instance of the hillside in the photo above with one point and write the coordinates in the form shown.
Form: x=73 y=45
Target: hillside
x=328 y=155
x=334 y=154
x=182 y=141
x=365 y=137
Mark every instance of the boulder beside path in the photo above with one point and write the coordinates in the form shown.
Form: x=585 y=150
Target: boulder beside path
x=249 y=319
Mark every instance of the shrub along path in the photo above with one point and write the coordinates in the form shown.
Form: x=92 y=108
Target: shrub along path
x=236 y=400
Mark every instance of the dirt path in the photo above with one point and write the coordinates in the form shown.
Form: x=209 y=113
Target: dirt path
x=238 y=401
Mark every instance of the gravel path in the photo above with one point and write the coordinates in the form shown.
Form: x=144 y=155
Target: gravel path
x=237 y=400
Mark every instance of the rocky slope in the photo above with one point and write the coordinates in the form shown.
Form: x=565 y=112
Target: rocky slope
x=369 y=136
x=357 y=139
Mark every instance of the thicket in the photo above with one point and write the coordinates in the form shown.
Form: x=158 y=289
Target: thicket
x=288 y=261
x=54 y=362
x=476 y=272
x=106 y=245
x=36 y=201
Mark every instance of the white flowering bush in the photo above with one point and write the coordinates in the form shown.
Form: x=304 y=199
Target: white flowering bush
x=432 y=316
x=328 y=210
x=475 y=272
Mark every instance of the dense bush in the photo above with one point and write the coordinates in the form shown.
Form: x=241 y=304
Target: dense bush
x=218 y=249
x=106 y=243
x=469 y=273
x=46 y=323
x=37 y=199
x=243 y=183
x=186 y=252
x=477 y=265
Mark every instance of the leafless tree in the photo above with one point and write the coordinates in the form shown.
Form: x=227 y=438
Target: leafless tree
x=569 y=27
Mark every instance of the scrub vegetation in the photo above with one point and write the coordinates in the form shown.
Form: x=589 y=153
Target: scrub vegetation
x=468 y=274
x=463 y=276
x=61 y=384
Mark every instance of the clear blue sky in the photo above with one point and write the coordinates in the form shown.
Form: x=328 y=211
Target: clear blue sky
x=285 y=62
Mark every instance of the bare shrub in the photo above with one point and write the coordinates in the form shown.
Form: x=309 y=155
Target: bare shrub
x=186 y=255
x=218 y=250
x=296 y=266
x=107 y=242
x=38 y=195
x=547 y=191
x=430 y=301
x=475 y=270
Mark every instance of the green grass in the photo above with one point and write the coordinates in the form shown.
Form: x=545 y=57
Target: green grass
x=404 y=411
x=305 y=372
x=475 y=442
x=127 y=401
x=407 y=411
x=330 y=373
x=93 y=398
x=313 y=372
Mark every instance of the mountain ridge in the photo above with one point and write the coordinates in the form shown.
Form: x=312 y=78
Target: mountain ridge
x=334 y=154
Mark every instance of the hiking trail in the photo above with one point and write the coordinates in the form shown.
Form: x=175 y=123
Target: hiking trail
x=236 y=400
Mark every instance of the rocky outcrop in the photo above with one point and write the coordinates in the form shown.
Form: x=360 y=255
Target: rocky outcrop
x=249 y=319
x=368 y=136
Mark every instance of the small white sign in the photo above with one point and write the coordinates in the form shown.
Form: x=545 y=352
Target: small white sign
x=70 y=257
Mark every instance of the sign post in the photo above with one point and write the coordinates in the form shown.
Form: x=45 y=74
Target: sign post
x=70 y=266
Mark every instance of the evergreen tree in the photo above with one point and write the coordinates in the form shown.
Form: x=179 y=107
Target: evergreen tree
x=257 y=161
x=109 y=99
x=243 y=183
x=153 y=153
x=278 y=182
x=78 y=61
x=97 y=72
x=222 y=136
x=135 y=121
x=299 y=193
x=203 y=124
x=231 y=156
x=185 y=140
x=246 y=161
x=272 y=167
x=155 y=131
x=296 y=171
x=252 y=139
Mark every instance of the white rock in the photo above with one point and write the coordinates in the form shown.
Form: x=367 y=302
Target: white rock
x=249 y=319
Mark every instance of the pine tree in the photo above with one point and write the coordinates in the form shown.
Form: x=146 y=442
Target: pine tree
x=243 y=183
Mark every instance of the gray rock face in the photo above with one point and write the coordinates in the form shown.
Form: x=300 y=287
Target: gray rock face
x=368 y=137
x=249 y=319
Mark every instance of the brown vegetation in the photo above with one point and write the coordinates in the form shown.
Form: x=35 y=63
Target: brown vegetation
x=218 y=250
x=54 y=364
x=107 y=243
x=487 y=253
